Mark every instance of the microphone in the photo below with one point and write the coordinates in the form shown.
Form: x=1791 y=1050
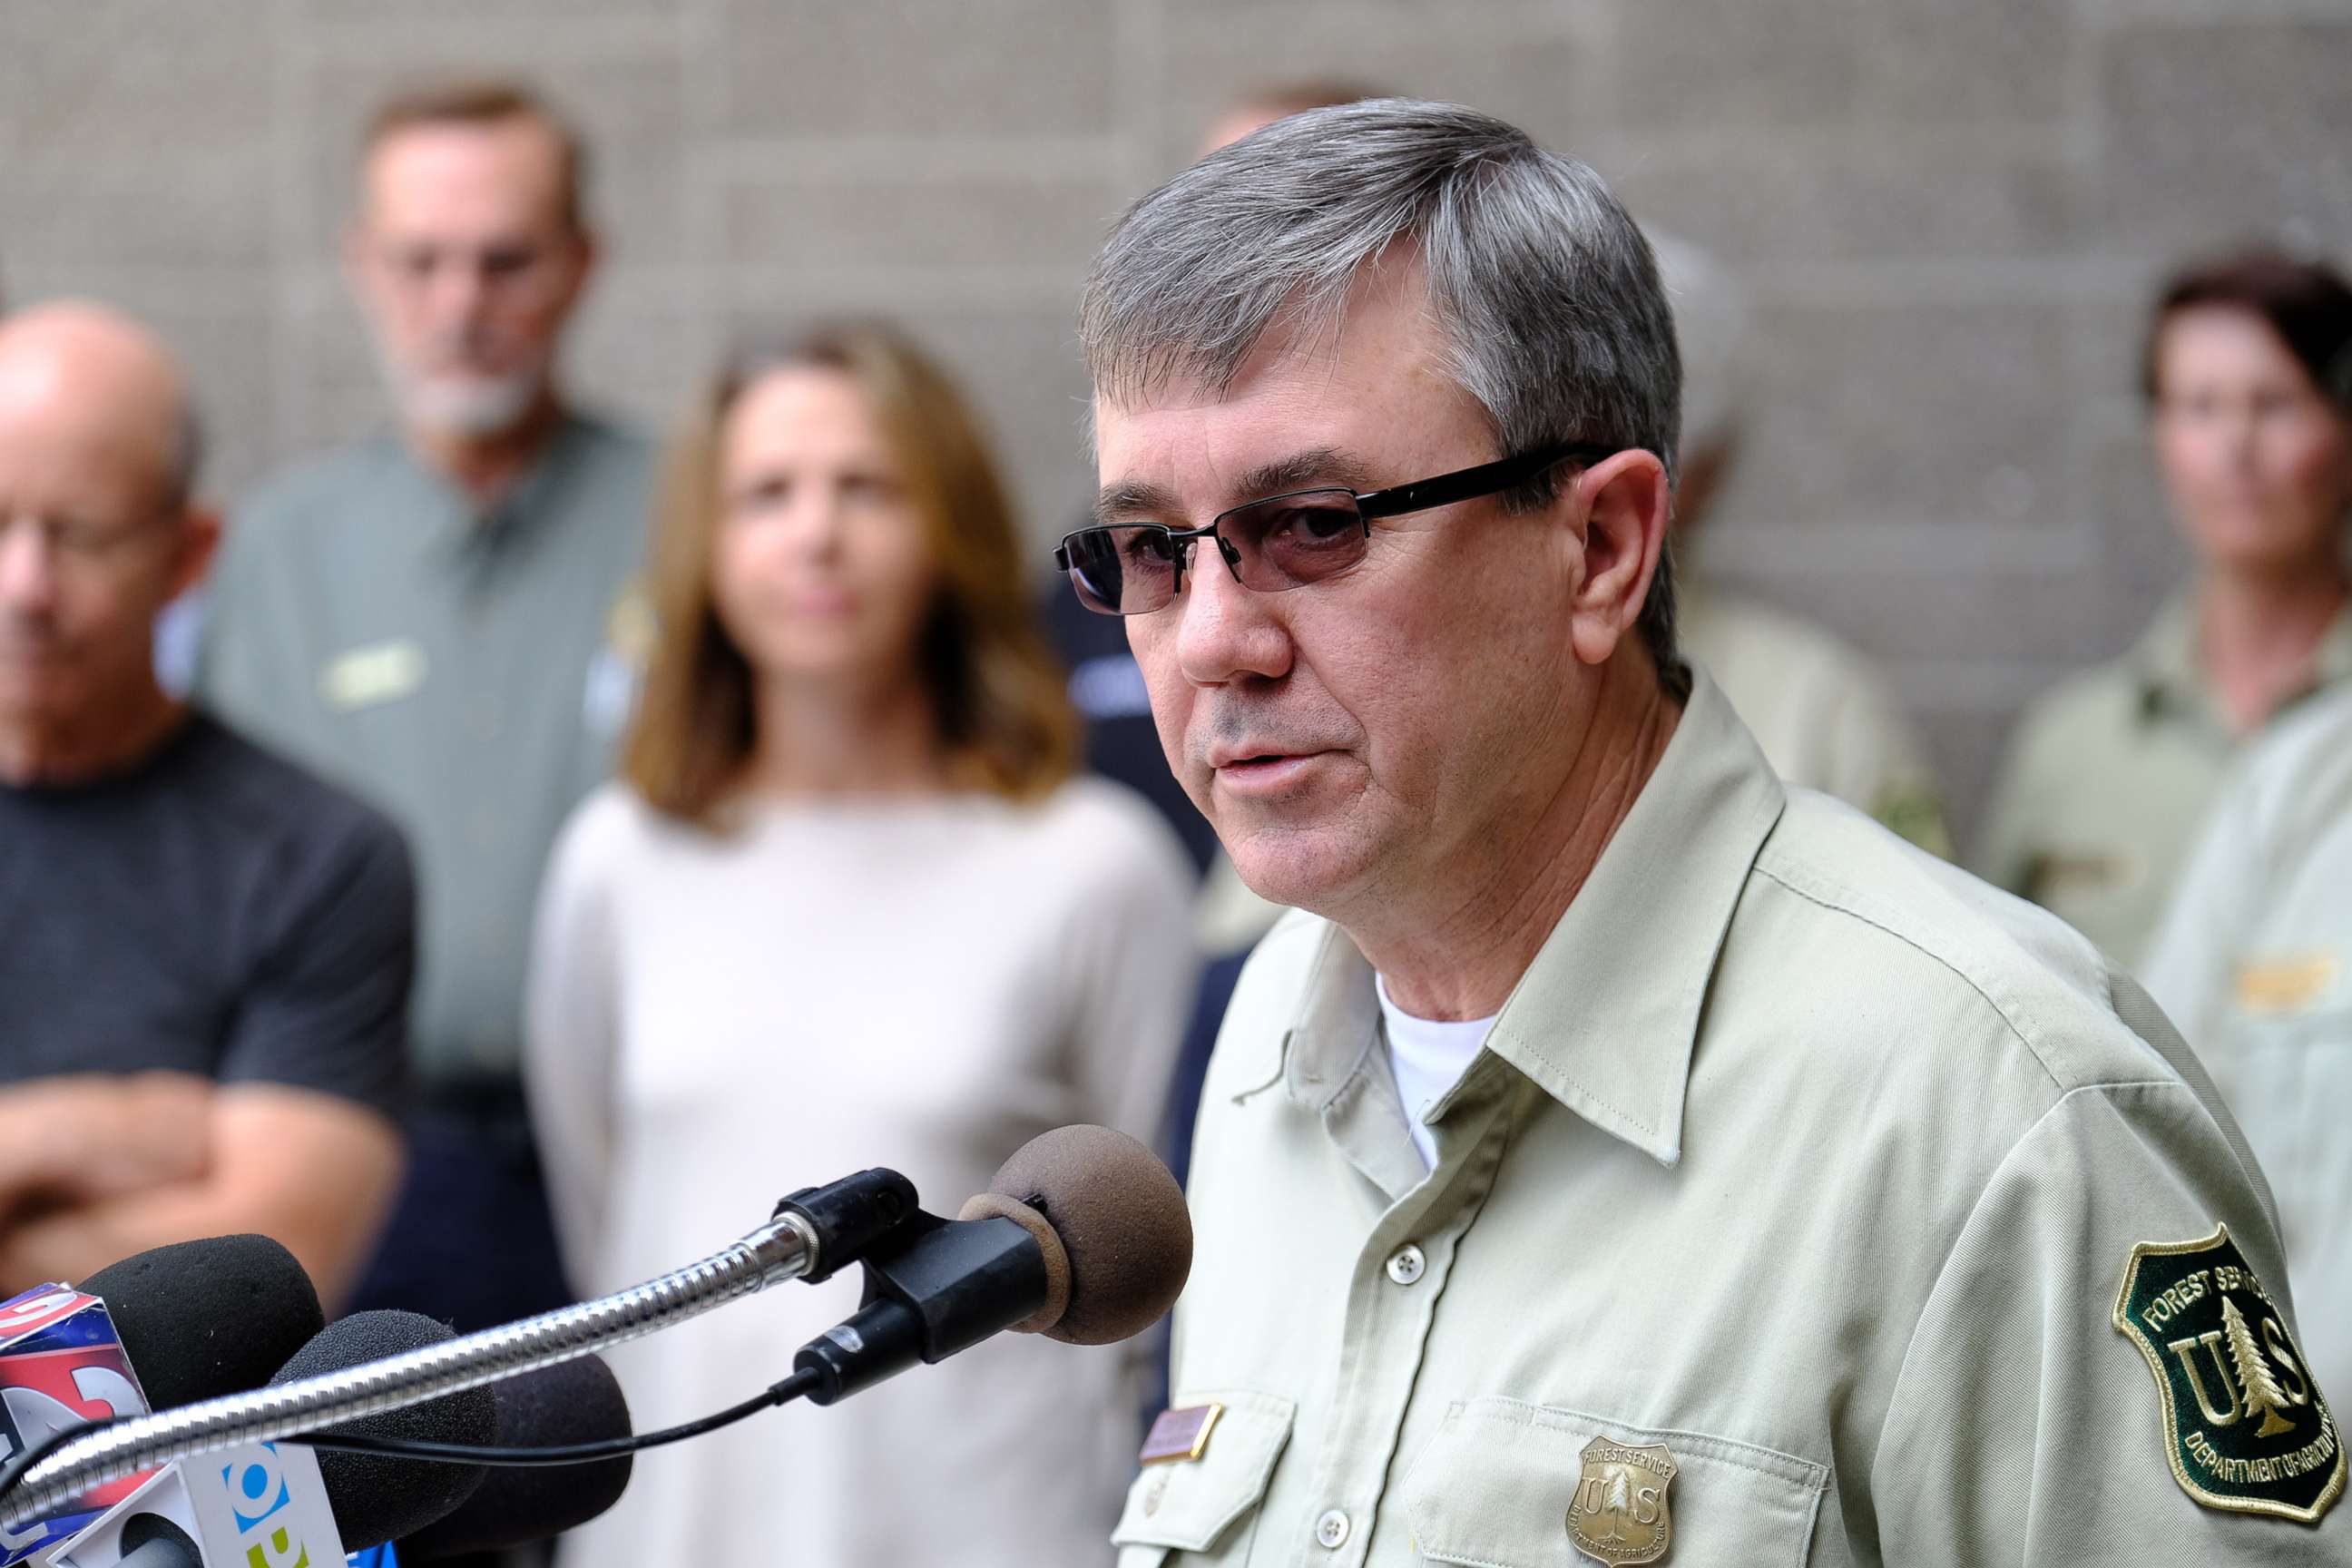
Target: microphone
x=571 y=1401
x=1082 y=1236
x=377 y=1498
x=278 y=1503
x=1051 y=1251
x=201 y=1318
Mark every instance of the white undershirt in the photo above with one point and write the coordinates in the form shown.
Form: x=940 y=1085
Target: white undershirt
x=1429 y=1058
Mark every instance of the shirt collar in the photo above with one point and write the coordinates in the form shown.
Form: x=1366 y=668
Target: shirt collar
x=2172 y=677
x=1605 y=1018
x=463 y=526
x=2165 y=657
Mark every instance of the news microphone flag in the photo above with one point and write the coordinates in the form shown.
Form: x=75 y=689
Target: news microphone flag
x=260 y=1506
x=61 y=1365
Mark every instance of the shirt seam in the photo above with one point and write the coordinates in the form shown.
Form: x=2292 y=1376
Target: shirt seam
x=1821 y=901
x=2008 y=1157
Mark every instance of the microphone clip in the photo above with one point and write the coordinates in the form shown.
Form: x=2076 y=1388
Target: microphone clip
x=933 y=1287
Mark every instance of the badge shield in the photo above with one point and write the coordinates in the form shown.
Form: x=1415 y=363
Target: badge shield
x=2245 y=1427
x=1620 y=1513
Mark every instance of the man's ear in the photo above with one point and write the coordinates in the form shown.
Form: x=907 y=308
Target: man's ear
x=1626 y=503
x=585 y=254
x=200 y=534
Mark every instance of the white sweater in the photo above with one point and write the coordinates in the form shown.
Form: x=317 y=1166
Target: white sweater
x=717 y=1020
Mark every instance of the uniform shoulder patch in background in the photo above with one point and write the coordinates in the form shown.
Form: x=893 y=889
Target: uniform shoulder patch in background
x=2244 y=1425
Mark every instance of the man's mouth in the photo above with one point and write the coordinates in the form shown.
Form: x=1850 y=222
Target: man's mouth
x=1248 y=772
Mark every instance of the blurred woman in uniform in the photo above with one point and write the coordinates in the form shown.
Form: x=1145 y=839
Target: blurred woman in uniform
x=846 y=907
x=2249 y=384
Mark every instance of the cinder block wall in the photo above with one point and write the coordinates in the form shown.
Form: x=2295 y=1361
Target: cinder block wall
x=1950 y=213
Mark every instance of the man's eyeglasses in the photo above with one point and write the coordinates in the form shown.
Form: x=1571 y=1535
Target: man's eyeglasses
x=1280 y=543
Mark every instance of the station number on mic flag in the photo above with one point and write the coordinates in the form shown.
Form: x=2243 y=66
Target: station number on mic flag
x=62 y=1366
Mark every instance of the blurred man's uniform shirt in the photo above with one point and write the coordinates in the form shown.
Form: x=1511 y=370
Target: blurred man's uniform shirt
x=1823 y=716
x=1783 y=1218
x=2108 y=777
x=469 y=672
x=2254 y=963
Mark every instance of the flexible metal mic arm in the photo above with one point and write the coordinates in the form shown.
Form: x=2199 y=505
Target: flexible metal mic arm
x=786 y=1248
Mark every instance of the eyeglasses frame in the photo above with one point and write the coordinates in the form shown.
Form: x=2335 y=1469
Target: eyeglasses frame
x=1394 y=500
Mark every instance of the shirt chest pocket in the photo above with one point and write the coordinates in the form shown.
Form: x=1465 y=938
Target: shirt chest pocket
x=1496 y=1486
x=1207 y=1506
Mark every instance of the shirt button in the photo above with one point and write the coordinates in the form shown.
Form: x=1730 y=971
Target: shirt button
x=1331 y=1529
x=1406 y=1264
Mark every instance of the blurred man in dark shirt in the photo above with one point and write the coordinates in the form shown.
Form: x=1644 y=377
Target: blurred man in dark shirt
x=204 y=980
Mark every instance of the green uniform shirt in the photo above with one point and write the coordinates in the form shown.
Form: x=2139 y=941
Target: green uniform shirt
x=2254 y=963
x=465 y=673
x=2109 y=775
x=1796 y=1155
x=1825 y=719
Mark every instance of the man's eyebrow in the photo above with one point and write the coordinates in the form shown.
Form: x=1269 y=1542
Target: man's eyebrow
x=1300 y=470
x=1134 y=500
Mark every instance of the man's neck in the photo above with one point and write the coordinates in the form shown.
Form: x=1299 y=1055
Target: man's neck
x=1459 y=949
x=832 y=738
x=64 y=753
x=2258 y=634
x=487 y=467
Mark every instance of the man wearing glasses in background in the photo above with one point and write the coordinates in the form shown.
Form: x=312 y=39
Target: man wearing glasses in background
x=204 y=953
x=441 y=617
x=1618 y=1153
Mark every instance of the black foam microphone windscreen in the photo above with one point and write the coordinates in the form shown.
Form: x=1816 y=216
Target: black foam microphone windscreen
x=572 y=1401
x=201 y=1318
x=378 y=1498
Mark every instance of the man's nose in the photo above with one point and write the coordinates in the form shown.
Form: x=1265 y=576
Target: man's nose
x=28 y=577
x=459 y=289
x=1225 y=631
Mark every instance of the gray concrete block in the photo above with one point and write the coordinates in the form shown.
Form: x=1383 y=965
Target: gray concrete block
x=2137 y=531
x=2218 y=133
x=1909 y=413
x=331 y=391
x=1756 y=201
x=165 y=210
x=914 y=68
x=644 y=354
x=1988 y=61
x=1535 y=66
x=1701 y=65
x=953 y=221
x=1951 y=614
x=1965 y=746
x=122 y=77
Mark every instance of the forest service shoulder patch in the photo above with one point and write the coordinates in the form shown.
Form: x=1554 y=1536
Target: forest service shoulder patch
x=2244 y=1426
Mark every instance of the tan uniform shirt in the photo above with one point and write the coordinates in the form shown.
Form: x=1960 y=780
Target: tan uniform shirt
x=1797 y=1154
x=1824 y=718
x=2109 y=775
x=2254 y=963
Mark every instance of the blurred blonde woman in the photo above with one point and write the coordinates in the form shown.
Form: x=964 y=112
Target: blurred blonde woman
x=846 y=907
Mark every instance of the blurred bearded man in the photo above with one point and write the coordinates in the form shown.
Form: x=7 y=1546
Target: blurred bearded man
x=442 y=617
x=1617 y=1154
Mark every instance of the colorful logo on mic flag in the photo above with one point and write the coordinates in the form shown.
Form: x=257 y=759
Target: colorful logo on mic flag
x=62 y=1366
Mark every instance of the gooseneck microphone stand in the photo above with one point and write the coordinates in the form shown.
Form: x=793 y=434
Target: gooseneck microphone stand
x=814 y=1232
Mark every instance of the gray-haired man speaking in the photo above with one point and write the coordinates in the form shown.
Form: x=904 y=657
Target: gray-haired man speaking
x=1628 y=1155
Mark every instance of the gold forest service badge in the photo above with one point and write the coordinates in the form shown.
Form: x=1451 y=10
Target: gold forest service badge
x=2244 y=1426
x=1620 y=1511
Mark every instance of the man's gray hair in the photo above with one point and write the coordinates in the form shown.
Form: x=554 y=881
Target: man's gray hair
x=1546 y=287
